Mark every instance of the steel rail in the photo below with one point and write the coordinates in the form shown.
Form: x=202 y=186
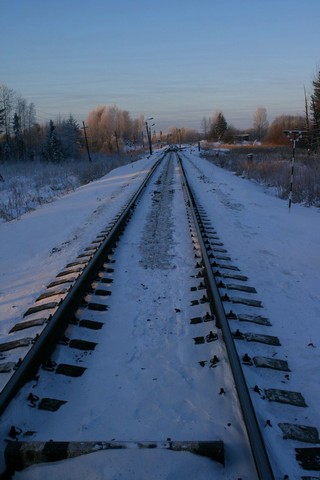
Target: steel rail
x=45 y=343
x=257 y=444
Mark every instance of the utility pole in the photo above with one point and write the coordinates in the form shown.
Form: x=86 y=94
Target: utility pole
x=148 y=128
x=294 y=136
x=85 y=136
x=2 y=110
x=307 y=121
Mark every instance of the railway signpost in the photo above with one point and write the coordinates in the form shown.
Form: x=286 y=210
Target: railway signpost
x=294 y=136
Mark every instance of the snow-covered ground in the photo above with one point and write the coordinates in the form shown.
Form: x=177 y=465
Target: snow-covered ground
x=275 y=248
x=39 y=244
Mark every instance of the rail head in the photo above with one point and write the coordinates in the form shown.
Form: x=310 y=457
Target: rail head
x=258 y=447
x=44 y=343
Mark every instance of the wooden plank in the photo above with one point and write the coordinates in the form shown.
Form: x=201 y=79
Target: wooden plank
x=6 y=367
x=91 y=324
x=285 y=396
x=241 y=288
x=98 y=307
x=21 y=455
x=308 y=458
x=247 y=301
x=28 y=324
x=301 y=433
x=254 y=319
x=275 y=364
x=267 y=339
x=40 y=308
x=50 y=404
x=54 y=293
x=23 y=342
x=62 y=281
x=70 y=370
x=198 y=340
x=82 y=344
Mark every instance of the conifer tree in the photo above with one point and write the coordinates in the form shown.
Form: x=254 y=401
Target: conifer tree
x=315 y=109
x=70 y=135
x=52 y=150
x=219 y=126
x=19 y=147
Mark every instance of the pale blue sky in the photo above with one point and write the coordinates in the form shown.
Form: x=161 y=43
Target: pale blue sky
x=177 y=60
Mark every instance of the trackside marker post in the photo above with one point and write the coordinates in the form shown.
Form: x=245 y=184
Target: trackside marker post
x=294 y=136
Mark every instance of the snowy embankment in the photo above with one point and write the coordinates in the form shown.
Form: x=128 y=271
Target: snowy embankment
x=277 y=249
x=36 y=246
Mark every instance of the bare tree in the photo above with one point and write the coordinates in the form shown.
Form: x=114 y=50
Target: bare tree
x=30 y=130
x=138 y=126
x=7 y=98
x=205 y=126
x=111 y=127
x=281 y=123
x=21 y=109
x=260 y=123
x=1 y=118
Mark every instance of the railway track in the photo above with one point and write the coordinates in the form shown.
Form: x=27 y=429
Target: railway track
x=84 y=369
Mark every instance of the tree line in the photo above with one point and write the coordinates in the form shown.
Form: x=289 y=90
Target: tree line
x=23 y=138
x=109 y=129
x=218 y=130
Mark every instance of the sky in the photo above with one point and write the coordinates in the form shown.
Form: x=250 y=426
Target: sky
x=177 y=61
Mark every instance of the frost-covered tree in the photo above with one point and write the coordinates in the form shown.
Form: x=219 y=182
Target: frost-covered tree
x=70 y=136
x=2 y=111
x=110 y=127
x=17 y=119
x=7 y=99
x=205 y=126
x=21 y=109
x=182 y=135
x=138 y=126
x=52 y=150
x=30 y=137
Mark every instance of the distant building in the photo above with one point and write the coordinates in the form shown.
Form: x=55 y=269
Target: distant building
x=241 y=138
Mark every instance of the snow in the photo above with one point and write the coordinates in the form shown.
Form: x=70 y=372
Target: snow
x=37 y=246
x=275 y=248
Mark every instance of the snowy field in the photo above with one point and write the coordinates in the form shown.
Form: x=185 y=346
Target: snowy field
x=275 y=248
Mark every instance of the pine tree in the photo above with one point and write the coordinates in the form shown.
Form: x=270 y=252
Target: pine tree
x=315 y=109
x=219 y=127
x=70 y=136
x=1 y=130
x=52 y=150
x=19 y=146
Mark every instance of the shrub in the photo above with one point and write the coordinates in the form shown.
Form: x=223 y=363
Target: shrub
x=27 y=185
x=271 y=166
